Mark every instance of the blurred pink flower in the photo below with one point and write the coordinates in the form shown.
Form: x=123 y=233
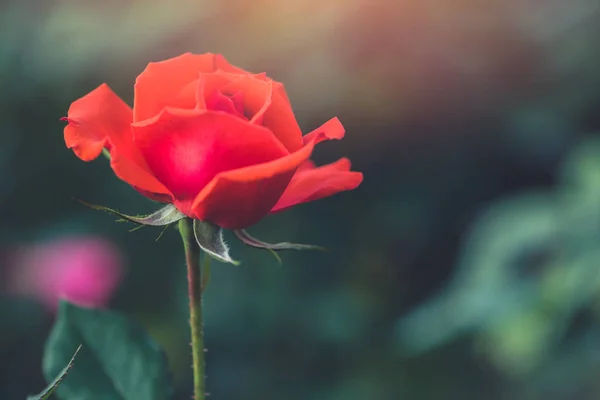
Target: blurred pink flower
x=83 y=270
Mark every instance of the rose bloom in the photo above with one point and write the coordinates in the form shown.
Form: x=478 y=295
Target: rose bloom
x=220 y=143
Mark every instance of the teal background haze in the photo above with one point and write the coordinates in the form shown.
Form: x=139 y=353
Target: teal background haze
x=467 y=264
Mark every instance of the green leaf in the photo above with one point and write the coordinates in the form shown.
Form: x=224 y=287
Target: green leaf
x=210 y=239
x=165 y=216
x=46 y=393
x=272 y=247
x=118 y=361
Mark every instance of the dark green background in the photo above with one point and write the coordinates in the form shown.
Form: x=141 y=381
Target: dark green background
x=466 y=266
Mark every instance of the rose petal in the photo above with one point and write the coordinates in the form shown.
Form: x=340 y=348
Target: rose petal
x=206 y=84
x=161 y=83
x=257 y=97
x=256 y=92
x=186 y=99
x=186 y=149
x=233 y=105
x=265 y=101
x=280 y=119
x=269 y=106
x=92 y=119
x=158 y=197
x=237 y=99
x=308 y=164
x=101 y=119
x=311 y=183
x=240 y=198
x=332 y=129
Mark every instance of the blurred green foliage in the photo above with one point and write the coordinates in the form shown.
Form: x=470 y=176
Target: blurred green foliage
x=527 y=269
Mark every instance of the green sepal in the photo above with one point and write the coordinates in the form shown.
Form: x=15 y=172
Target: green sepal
x=165 y=216
x=210 y=239
x=251 y=241
x=47 y=392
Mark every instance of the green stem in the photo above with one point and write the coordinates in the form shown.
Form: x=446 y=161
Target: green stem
x=195 y=288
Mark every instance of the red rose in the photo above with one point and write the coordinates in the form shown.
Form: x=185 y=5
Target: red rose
x=218 y=142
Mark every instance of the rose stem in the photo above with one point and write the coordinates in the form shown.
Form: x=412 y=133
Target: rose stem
x=194 y=270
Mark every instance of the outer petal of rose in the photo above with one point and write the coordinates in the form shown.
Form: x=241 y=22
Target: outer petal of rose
x=101 y=119
x=159 y=197
x=94 y=118
x=311 y=183
x=186 y=149
x=332 y=129
x=240 y=198
x=280 y=119
x=161 y=83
